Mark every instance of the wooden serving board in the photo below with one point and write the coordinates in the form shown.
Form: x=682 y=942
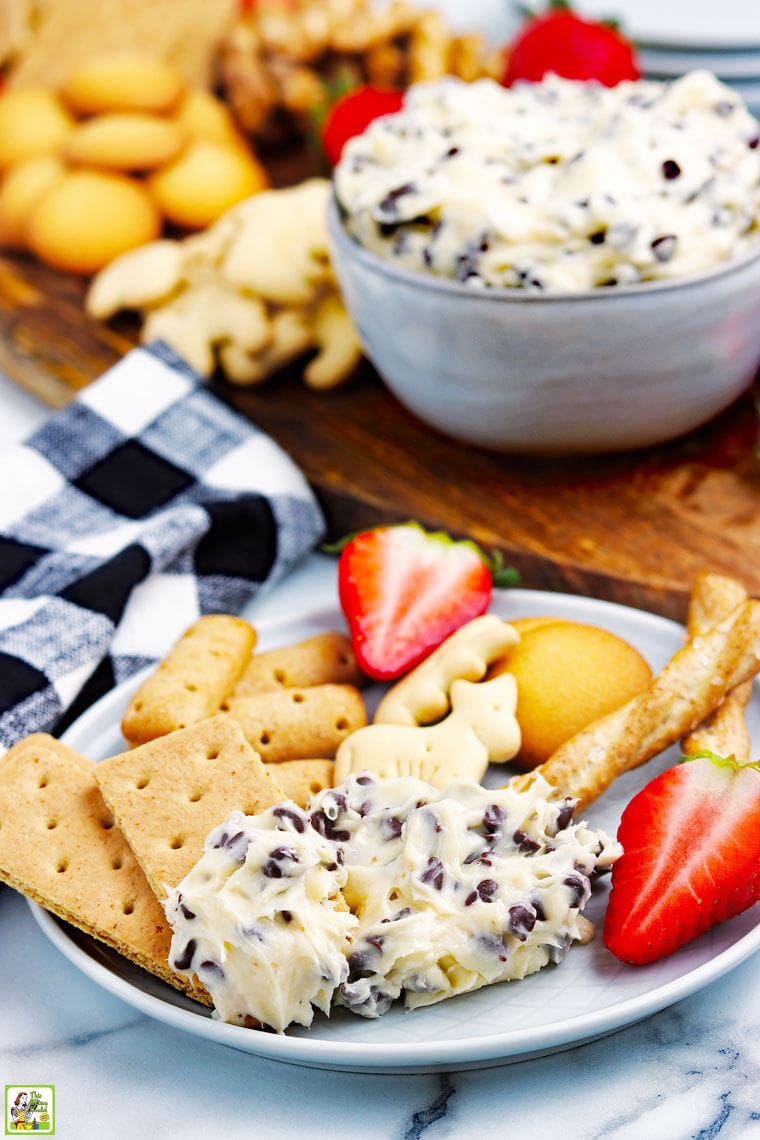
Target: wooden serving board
x=633 y=528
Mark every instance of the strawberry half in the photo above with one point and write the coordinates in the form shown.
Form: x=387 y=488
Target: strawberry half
x=404 y=590
x=691 y=857
x=565 y=43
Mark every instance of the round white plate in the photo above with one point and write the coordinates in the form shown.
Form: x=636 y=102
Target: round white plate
x=682 y=23
x=589 y=995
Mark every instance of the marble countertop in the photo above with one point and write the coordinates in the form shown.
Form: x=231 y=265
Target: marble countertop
x=688 y=1072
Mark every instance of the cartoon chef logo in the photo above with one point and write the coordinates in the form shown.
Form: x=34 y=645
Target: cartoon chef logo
x=29 y=1109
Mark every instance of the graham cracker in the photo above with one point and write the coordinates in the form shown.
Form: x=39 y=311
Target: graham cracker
x=45 y=740
x=168 y=794
x=60 y=847
x=299 y=780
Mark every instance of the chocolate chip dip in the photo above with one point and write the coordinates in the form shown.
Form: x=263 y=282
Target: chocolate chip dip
x=557 y=186
x=446 y=891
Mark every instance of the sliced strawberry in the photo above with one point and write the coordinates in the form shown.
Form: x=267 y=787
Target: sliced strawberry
x=564 y=43
x=691 y=857
x=404 y=590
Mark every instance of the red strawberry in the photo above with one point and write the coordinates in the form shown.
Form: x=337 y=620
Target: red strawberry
x=352 y=113
x=562 y=42
x=404 y=590
x=691 y=857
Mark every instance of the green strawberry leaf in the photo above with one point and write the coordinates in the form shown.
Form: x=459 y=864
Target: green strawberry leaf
x=720 y=761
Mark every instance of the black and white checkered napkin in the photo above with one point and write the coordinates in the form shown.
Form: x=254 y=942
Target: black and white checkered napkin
x=142 y=505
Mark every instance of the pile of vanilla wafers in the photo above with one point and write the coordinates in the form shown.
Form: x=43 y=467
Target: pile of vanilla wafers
x=219 y=727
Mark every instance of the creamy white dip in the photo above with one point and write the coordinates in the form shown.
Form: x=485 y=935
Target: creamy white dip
x=558 y=185
x=448 y=891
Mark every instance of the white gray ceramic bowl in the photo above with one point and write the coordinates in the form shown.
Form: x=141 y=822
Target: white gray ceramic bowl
x=604 y=370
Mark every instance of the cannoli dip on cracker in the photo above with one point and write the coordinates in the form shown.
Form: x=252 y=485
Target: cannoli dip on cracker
x=447 y=891
x=559 y=185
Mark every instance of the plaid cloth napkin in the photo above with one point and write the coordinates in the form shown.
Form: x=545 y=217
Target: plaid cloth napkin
x=143 y=504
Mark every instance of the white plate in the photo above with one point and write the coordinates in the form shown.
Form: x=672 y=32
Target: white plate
x=727 y=65
x=682 y=23
x=589 y=995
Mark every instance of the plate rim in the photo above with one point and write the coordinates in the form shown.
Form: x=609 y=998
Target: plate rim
x=396 y=1057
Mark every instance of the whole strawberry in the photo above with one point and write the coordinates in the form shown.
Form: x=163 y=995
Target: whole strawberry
x=404 y=590
x=352 y=113
x=691 y=857
x=562 y=42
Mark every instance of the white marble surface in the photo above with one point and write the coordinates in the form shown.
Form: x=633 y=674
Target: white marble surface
x=689 y=1072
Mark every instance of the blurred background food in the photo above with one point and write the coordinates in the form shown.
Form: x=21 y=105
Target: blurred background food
x=280 y=66
x=46 y=39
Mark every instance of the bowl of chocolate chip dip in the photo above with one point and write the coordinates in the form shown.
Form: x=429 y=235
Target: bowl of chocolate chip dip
x=557 y=267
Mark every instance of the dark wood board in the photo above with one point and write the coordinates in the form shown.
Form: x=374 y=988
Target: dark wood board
x=633 y=528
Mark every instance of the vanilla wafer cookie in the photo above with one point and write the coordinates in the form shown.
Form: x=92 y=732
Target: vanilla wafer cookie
x=298 y=724
x=192 y=680
x=168 y=794
x=60 y=847
x=681 y=696
x=299 y=780
x=326 y=658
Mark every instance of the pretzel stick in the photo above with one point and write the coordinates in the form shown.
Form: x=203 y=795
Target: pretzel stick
x=694 y=681
x=724 y=731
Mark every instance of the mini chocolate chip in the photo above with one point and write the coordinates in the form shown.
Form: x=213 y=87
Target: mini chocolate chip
x=360 y=966
x=388 y=204
x=187 y=913
x=185 y=959
x=272 y=870
x=493 y=817
x=538 y=907
x=670 y=169
x=285 y=915
x=237 y=845
x=664 y=247
x=526 y=843
x=390 y=827
x=487 y=888
x=364 y=780
x=754 y=142
x=434 y=874
x=565 y=814
x=287 y=815
x=522 y=920
x=598 y=238
x=578 y=886
x=451 y=152
x=471 y=898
